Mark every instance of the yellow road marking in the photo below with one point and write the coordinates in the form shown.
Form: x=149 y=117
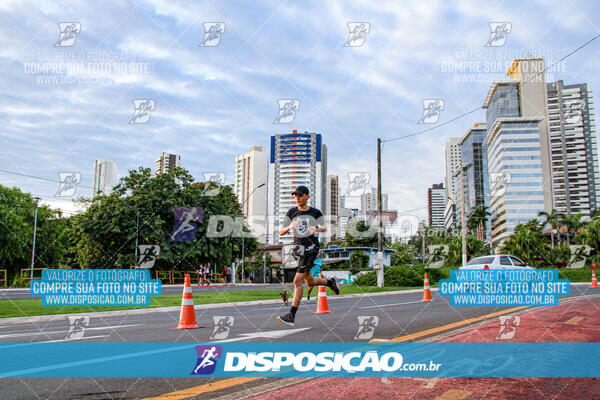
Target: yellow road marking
x=461 y=323
x=453 y=325
x=454 y=394
x=209 y=387
x=230 y=382
x=574 y=320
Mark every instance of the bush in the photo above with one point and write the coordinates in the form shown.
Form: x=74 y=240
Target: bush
x=404 y=275
x=576 y=275
x=358 y=262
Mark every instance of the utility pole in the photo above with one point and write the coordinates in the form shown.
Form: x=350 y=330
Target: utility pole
x=423 y=233
x=37 y=202
x=380 y=276
x=137 y=232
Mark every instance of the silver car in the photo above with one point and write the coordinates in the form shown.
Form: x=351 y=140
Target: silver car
x=496 y=261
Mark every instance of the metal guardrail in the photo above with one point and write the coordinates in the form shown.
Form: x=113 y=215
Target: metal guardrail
x=26 y=274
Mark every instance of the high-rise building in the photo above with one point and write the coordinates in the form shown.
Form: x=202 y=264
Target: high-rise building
x=474 y=189
x=295 y=159
x=167 y=163
x=452 y=181
x=532 y=99
x=368 y=201
x=452 y=164
x=333 y=200
x=105 y=177
x=514 y=161
x=346 y=215
x=574 y=154
x=436 y=204
x=250 y=172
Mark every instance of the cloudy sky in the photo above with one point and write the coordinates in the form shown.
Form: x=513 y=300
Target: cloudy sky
x=62 y=107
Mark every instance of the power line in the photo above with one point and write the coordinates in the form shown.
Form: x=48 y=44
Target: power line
x=39 y=177
x=498 y=98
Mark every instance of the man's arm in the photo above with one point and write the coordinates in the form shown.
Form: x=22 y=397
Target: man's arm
x=288 y=224
x=321 y=227
x=288 y=228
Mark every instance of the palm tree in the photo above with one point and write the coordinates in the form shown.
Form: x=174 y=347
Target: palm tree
x=572 y=223
x=552 y=219
x=478 y=218
x=595 y=215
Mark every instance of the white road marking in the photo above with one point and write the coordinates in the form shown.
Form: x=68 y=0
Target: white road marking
x=393 y=304
x=71 y=340
x=269 y=334
x=67 y=331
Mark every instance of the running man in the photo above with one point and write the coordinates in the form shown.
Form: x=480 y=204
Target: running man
x=316 y=272
x=306 y=223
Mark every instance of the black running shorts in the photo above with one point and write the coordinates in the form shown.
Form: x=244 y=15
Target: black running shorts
x=307 y=260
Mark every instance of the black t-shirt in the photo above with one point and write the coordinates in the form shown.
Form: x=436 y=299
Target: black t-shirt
x=310 y=217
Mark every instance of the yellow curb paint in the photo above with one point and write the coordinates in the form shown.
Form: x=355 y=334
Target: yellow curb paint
x=209 y=387
x=454 y=394
x=574 y=320
x=461 y=323
x=451 y=326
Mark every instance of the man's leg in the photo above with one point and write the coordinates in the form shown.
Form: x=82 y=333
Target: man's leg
x=298 y=290
x=330 y=283
x=290 y=317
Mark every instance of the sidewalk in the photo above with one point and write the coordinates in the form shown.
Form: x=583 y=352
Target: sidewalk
x=571 y=321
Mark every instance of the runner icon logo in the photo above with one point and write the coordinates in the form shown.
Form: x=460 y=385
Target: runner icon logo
x=213 y=31
x=366 y=326
x=287 y=110
x=77 y=327
x=148 y=254
x=68 y=33
x=142 y=109
x=357 y=33
x=207 y=359
x=508 y=327
x=431 y=110
x=498 y=34
x=223 y=325
x=68 y=183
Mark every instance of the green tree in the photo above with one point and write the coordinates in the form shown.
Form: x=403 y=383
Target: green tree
x=405 y=253
x=475 y=248
x=359 y=261
x=528 y=243
x=478 y=218
x=361 y=234
x=105 y=235
x=17 y=210
x=552 y=219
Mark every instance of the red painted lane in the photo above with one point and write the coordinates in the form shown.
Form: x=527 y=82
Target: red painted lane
x=442 y=389
x=575 y=321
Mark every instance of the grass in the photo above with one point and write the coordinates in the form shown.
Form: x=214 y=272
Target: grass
x=31 y=307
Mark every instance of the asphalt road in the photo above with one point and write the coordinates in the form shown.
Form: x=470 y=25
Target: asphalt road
x=399 y=314
x=24 y=293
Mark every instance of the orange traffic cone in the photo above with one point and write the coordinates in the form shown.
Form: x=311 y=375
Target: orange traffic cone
x=426 y=291
x=187 y=316
x=594 y=280
x=322 y=305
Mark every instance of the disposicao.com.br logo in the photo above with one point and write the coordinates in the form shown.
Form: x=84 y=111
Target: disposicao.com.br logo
x=309 y=362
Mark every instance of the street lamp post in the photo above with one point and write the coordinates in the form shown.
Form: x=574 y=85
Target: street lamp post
x=463 y=223
x=137 y=232
x=264 y=268
x=244 y=202
x=37 y=202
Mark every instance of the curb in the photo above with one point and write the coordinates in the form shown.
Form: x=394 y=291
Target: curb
x=138 y=311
